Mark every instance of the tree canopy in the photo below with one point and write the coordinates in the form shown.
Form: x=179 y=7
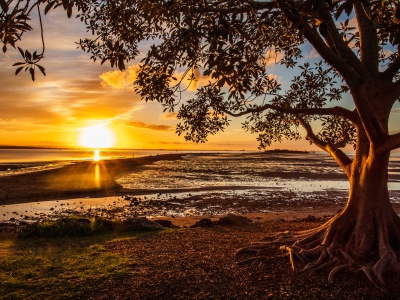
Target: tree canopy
x=233 y=42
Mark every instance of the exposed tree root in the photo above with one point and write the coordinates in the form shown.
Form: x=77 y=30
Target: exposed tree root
x=340 y=243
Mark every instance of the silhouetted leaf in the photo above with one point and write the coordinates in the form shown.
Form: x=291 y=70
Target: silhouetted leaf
x=3 y=5
x=65 y=4
x=69 y=10
x=28 y=55
x=18 y=70
x=41 y=69
x=49 y=6
x=32 y=71
x=22 y=52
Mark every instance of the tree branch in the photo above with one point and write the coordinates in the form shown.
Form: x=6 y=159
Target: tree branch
x=341 y=46
x=337 y=111
x=346 y=71
x=338 y=155
x=368 y=39
x=391 y=142
x=392 y=69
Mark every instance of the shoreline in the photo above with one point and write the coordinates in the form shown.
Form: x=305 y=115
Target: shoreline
x=79 y=179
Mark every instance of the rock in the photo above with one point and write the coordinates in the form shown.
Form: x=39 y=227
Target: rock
x=231 y=219
x=166 y=223
x=203 y=223
x=310 y=219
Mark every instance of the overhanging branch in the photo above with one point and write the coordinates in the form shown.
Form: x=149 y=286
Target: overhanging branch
x=337 y=111
x=338 y=155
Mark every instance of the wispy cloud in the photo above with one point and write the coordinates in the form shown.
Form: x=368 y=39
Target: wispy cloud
x=169 y=116
x=120 y=79
x=158 y=127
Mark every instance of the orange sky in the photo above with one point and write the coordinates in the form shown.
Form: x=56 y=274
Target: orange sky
x=77 y=93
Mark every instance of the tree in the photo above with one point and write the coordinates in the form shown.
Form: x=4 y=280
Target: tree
x=232 y=42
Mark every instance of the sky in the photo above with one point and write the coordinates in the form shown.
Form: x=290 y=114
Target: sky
x=77 y=93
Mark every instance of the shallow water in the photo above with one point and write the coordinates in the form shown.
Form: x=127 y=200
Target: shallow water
x=20 y=161
x=273 y=179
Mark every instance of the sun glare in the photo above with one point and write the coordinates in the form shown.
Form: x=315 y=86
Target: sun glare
x=96 y=136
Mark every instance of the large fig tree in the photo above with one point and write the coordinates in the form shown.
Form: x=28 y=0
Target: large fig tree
x=233 y=42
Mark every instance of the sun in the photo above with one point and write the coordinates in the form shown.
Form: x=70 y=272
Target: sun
x=96 y=136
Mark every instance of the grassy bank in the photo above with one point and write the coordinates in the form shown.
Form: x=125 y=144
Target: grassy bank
x=62 y=267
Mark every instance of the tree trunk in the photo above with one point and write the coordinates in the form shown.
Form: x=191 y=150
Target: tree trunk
x=368 y=223
x=366 y=230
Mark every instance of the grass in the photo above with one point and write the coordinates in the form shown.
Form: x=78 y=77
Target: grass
x=61 y=268
x=78 y=226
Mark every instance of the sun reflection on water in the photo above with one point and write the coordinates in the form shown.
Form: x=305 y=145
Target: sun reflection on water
x=97 y=177
x=96 y=156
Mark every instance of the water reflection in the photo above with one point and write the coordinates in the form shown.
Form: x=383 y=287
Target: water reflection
x=96 y=156
x=97 y=176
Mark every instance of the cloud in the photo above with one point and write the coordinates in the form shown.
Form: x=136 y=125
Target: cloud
x=395 y=111
x=314 y=54
x=272 y=57
x=169 y=116
x=158 y=127
x=120 y=79
x=170 y=143
x=124 y=79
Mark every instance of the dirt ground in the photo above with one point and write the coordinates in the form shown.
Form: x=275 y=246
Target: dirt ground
x=200 y=263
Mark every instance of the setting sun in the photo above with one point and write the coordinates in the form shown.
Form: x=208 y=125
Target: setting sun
x=96 y=136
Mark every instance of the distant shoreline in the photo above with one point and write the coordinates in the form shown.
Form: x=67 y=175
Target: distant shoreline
x=11 y=147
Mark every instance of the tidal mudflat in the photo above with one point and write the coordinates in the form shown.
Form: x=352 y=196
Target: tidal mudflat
x=188 y=185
